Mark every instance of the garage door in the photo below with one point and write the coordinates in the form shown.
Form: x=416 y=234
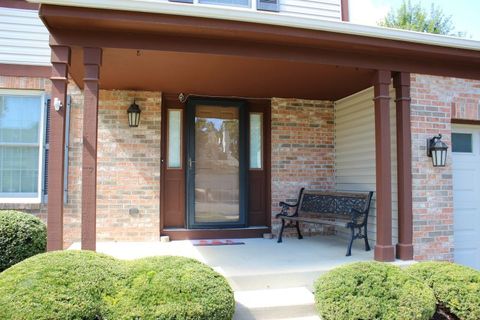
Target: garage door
x=466 y=194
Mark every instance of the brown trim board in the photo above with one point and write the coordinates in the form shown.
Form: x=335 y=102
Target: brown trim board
x=466 y=121
x=18 y=70
x=136 y=30
x=345 y=12
x=18 y=4
x=184 y=234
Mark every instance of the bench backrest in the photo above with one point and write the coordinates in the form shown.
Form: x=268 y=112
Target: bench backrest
x=314 y=202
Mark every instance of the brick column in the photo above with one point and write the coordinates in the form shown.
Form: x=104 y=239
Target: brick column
x=384 y=250
x=92 y=59
x=60 y=62
x=401 y=82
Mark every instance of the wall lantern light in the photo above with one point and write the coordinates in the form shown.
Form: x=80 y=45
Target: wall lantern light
x=133 y=114
x=437 y=150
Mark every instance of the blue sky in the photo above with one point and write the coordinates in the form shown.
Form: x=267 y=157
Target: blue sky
x=465 y=13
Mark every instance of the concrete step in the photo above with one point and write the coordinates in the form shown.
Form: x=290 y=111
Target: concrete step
x=288 y=303
x=275 y=280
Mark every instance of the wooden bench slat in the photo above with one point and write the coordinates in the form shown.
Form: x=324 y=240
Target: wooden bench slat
x=336 y=222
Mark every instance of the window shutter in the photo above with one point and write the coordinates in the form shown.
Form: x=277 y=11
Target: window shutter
x=182 y=1
x=46 y=149
x=268 y=5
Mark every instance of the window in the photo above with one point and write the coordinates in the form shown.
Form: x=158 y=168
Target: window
x=235 y=3
x=174 y=139
x=256 y=140
x=21 y=149
x=462 y=142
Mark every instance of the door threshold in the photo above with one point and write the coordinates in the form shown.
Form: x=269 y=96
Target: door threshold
x=214 y=229
x=197 y=234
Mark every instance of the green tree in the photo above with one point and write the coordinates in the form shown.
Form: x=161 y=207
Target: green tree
x=415 y=17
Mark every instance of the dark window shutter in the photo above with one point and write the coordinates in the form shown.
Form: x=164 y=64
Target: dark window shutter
x=182 y=1
x=268 y=5
x=46 y=149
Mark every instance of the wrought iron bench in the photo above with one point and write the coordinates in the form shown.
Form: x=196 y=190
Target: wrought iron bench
x=344 y=209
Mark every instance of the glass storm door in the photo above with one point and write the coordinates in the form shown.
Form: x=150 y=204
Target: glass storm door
x=216 y=174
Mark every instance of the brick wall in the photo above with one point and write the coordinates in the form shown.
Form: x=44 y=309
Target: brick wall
x=302 y=150
x=8 y=82
x=128 y=168
x=432 y=100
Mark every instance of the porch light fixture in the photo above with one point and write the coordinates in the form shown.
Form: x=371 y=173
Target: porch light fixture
x=133 y=115
x=437 y=150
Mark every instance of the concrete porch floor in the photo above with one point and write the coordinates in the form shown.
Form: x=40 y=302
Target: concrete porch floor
x=271 y=280
x=259 y=257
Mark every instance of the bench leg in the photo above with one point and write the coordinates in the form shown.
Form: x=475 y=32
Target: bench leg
x=367 y=245
x=298 y=230
x=281 y=232
x=349 y=249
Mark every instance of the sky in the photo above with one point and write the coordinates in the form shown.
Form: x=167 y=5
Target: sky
x=465 y=13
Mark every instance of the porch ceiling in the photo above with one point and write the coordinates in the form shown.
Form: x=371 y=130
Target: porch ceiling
x=220 y=57
x=206 y=74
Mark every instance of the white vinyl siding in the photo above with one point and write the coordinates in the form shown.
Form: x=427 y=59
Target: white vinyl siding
x=23 y=38
x=313 y=9
x=355 y=151
x=321 y=9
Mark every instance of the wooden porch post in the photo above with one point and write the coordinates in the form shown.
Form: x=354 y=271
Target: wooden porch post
x=384 y=250
x=92 y=59
x=60 y=62
x=401 y=82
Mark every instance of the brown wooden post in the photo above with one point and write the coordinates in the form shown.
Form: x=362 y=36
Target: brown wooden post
x=92 y=59
x=401 y=82
x=384 y=250
x=60 y=62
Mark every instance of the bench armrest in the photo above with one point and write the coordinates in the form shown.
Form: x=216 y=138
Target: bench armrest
x=285 y=208
x=284 y=204
x=358 y=217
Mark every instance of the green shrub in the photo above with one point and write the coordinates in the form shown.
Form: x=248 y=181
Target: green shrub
x=59 y=285
x=456 y=287
x=172 y=288
x=372 y=290
x=21 y=236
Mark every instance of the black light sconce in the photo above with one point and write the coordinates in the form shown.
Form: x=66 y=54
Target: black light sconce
x=437 y=150
x=133 y=115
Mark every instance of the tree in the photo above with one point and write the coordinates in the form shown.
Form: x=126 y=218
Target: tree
x=415 y=17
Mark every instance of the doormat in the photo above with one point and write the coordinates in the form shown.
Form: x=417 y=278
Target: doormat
x=205 y=243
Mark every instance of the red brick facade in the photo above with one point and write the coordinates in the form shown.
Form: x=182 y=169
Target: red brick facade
x=302 y=150
x=435 y=102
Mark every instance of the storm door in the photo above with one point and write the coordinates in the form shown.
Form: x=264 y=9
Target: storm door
x=216 y=163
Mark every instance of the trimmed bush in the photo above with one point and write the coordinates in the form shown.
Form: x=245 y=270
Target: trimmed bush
x=21 y=236
x=60 y=285
x=84 y=285
x=456 y=287
x=172 y=288
x=372 y=290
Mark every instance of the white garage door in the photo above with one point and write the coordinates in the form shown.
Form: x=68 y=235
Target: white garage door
x=466 y=194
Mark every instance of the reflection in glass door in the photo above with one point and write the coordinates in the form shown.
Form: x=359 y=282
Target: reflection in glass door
x=216 y=174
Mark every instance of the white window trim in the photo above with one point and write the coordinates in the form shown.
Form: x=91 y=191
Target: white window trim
x=41 y=137
x=468 y=129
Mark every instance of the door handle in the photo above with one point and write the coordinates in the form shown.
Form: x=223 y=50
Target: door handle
x=190 y=163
